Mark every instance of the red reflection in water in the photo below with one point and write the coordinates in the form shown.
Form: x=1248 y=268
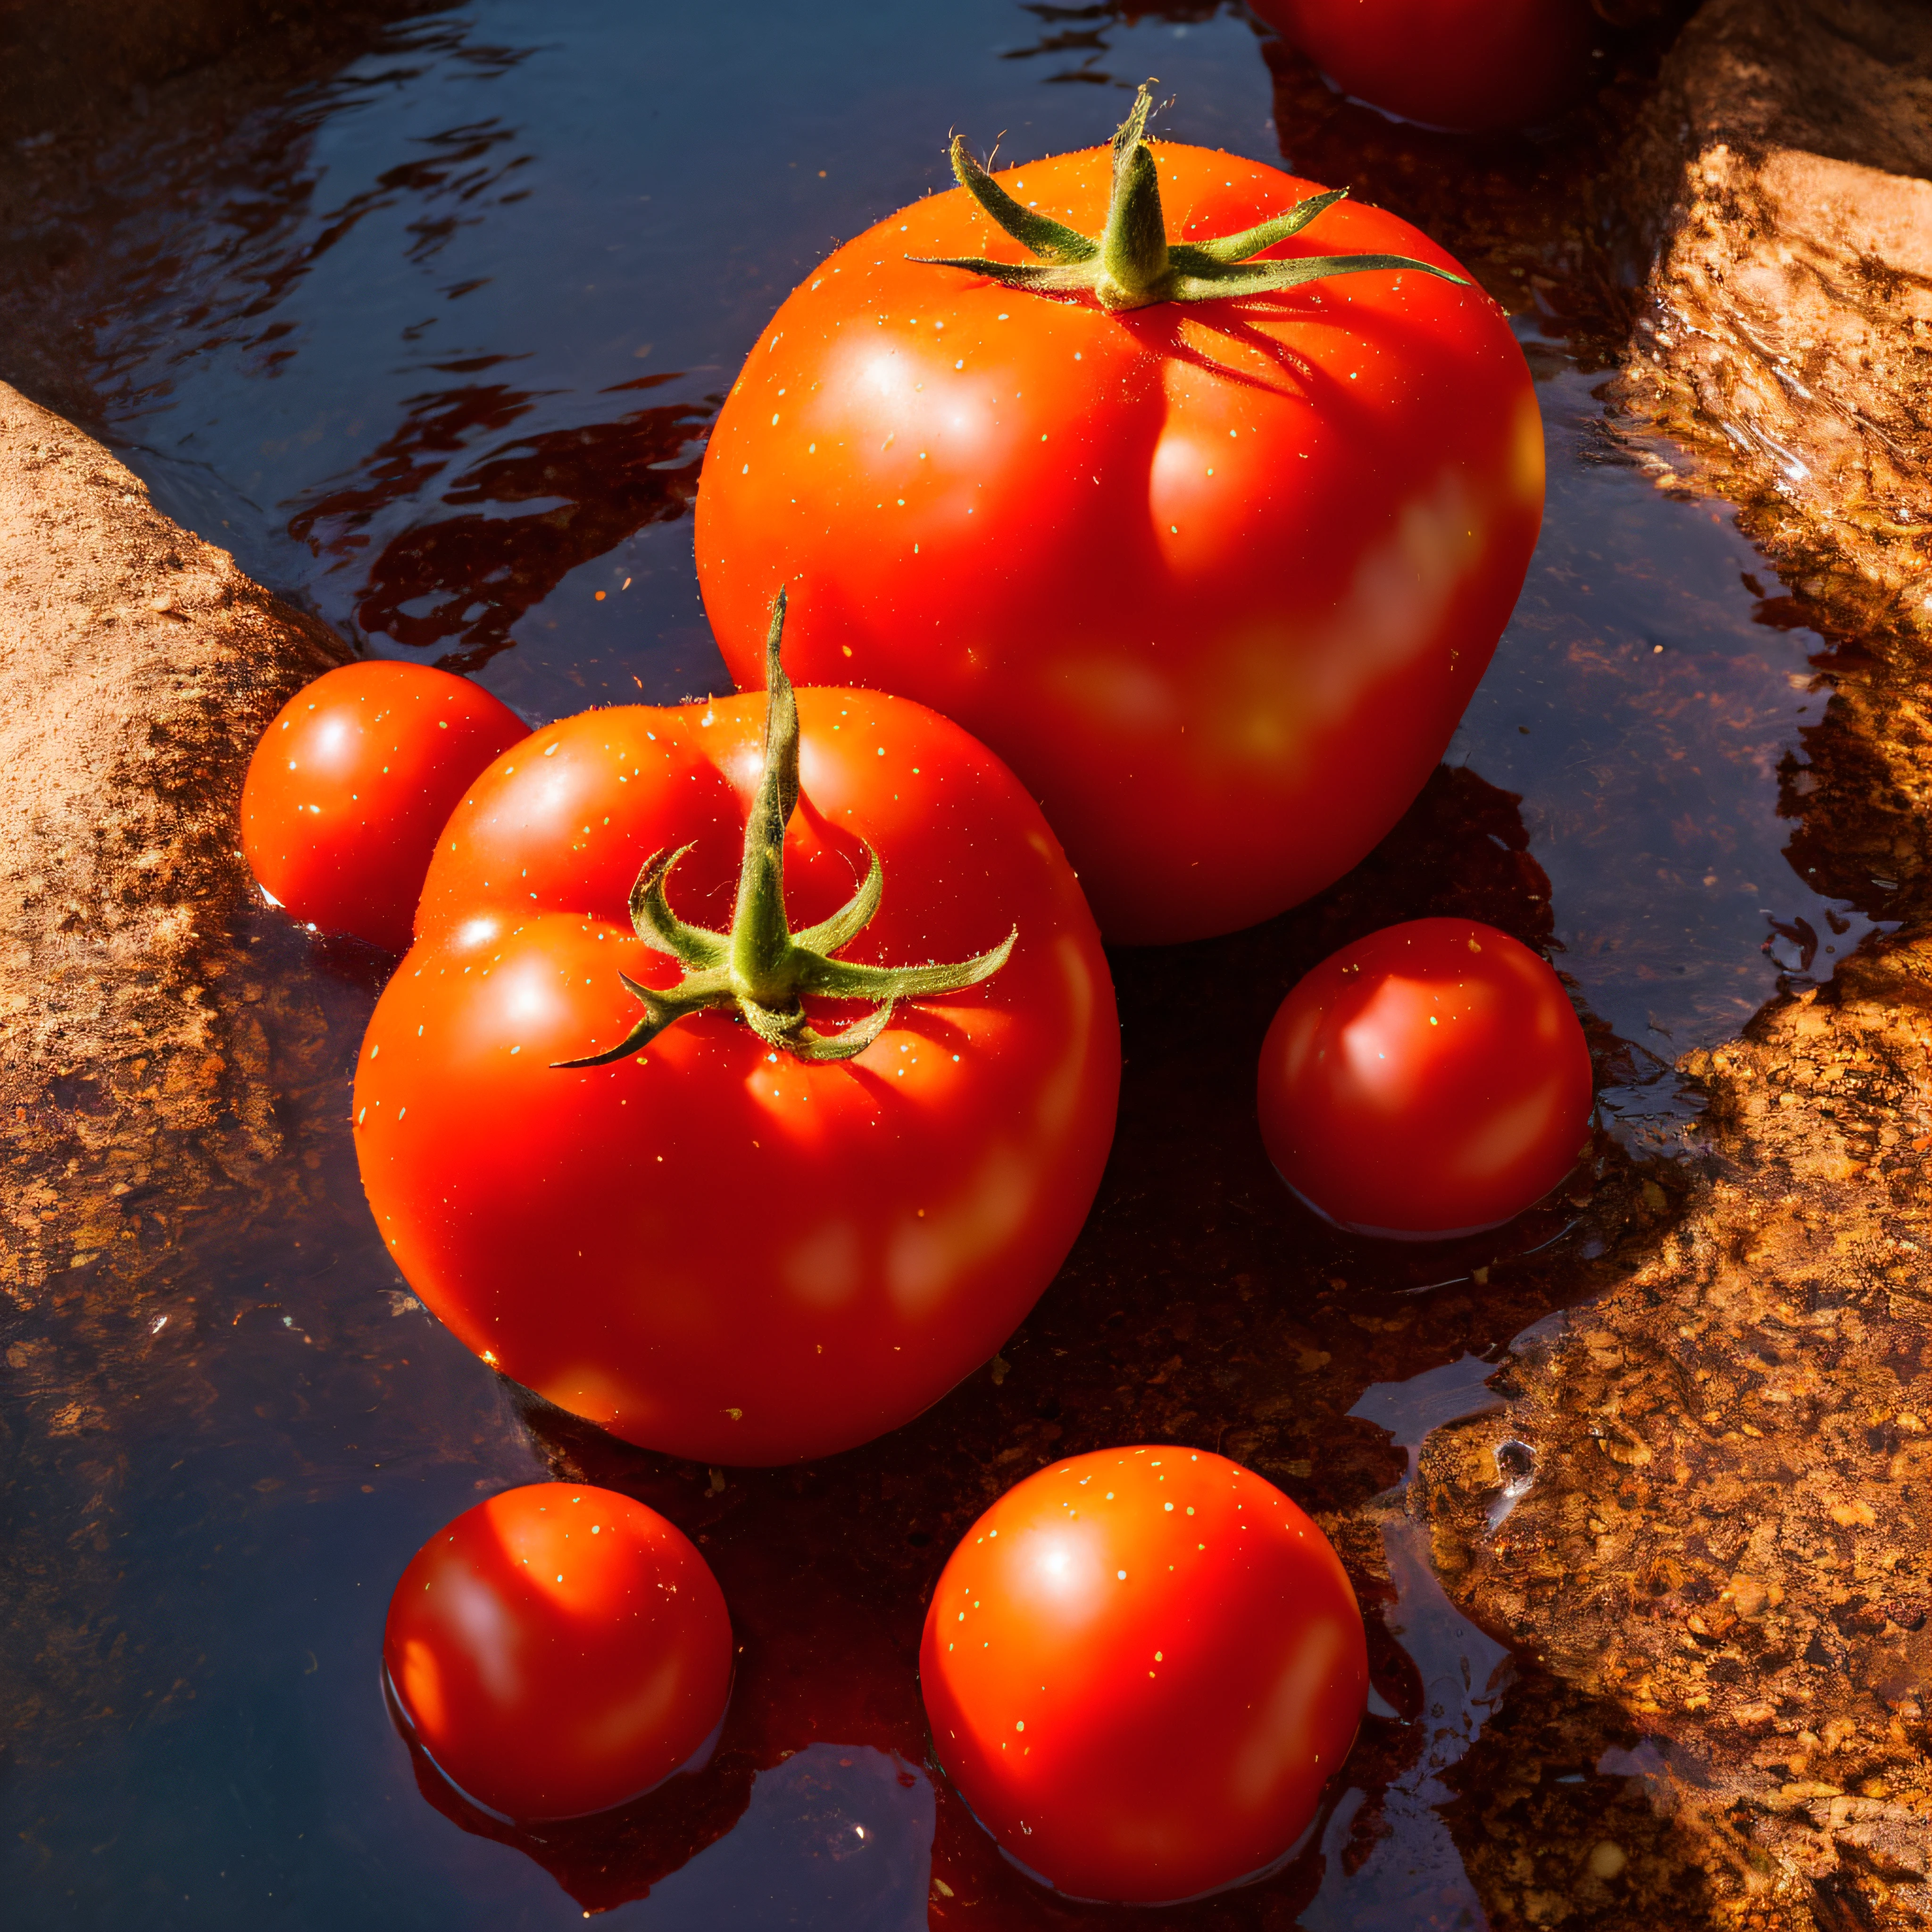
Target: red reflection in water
x=479 y=573
x=616 y=1856
x=808 y=1667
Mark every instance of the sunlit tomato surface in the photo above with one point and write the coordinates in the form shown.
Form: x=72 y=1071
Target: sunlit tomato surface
x=714 y=1248
x=1471 y=65
x=351 y=784
x=1217 y=580
x=1141 y=1667
x=558 y=1650
x=1431 y=1079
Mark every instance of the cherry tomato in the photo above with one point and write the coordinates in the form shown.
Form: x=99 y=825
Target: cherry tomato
x=1217 y=576
x=1428 y=1081
x=1467 y=65
x=1140 y=1667
x=352 y=782
x=716 y=1247
x=558 y=1650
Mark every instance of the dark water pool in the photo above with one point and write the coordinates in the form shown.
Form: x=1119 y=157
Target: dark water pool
x=432 y=347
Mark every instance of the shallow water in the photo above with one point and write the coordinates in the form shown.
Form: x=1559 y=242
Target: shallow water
x=432 y=347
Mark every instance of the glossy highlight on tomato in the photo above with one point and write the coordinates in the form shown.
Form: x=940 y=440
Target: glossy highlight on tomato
x=1430 y=1080
x=1469 y=66
x=1216 y=577
x=558 y=1650
x=1141 y=1666
x=714 y=1247
x=352 y=782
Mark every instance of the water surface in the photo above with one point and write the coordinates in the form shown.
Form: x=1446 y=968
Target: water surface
x=433 y=346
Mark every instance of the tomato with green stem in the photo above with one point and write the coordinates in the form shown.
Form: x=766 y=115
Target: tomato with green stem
x=1430 y=1080
x=1210 y=537
x=351 y=784
x=752 y=1073
x=558 y=1650
x=1141 y=1666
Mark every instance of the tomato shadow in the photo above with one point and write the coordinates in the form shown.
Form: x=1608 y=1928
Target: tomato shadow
x=817 y=1775
x=1175 y=332
x=611 y=1858
x=832 y=1837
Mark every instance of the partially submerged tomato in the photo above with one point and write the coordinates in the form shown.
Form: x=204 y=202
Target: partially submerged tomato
x=1215 y=564
x=558 y=1650
x=352 y=782
x=1471 y=66
x=1140 y=1667
x=1430 y=1080
x=761 y=1236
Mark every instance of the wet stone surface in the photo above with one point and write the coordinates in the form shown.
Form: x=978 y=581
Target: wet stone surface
x=134 y=1082
x=1725 y=1526
x=1723 y=1534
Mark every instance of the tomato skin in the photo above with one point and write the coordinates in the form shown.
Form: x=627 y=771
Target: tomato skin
x=352 y=782
x=712 y=1248
x=1430 y=1080
x=1217 y=580
x=1149 y=1738
x=1469 y=66
x=558 y=1650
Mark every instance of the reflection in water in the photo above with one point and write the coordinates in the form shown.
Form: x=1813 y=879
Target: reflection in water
x=830 y=1838
x=838 y=1838
x=1413 y=1873
x=1644 y=704
x=593 y=487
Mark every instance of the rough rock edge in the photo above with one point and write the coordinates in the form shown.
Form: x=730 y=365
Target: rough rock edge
x=1727 y=1533
x=1788 y=339
x=135 y=661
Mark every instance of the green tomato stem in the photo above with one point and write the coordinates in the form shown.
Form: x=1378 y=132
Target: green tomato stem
x=760 y=968
x=1132 y=264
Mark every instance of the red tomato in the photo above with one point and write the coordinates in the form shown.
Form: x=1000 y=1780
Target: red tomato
x=558 y=1650
x=1430 y=1080
x=716 y=1248
x=1215 y=577
x=1140 y=1667
x=1468 y=65
x=352 y=782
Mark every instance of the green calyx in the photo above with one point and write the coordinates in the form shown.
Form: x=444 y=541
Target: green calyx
x=761 y=968
x=1133 y=264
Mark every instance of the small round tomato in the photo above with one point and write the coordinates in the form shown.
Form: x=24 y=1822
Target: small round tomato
x=675 y=1112
x=1429 y=1081
x=1214 y=560
x=352 y=782
x=1140 y=1667
x=558 y=1650
x=1470 y=66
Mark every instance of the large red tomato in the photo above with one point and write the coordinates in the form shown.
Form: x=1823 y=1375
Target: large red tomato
x=1141 y=1666
x=716 y=1247
x=1470 y=65
x=1215 y=574
x=351 y=784
x=1428 y=1081
x=558 y=1650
